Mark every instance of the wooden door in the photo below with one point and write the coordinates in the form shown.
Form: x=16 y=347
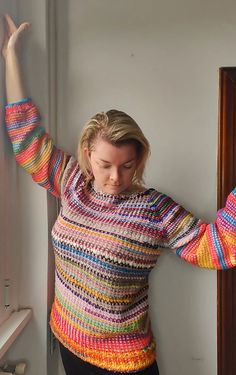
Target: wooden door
x=226 y=280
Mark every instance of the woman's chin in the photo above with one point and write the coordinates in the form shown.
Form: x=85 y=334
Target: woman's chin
x=116 y=189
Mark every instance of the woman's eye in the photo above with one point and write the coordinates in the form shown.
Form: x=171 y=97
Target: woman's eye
x=128 y=166
x=105 y=166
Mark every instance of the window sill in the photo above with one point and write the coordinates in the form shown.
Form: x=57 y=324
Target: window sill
x=12 y=327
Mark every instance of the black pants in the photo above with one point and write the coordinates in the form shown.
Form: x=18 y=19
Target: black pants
x=73 y=365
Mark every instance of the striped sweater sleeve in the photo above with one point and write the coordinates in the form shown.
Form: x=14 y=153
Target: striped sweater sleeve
x=33 y=148
x=210 y=246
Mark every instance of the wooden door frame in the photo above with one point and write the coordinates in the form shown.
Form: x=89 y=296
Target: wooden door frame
x=226 y=280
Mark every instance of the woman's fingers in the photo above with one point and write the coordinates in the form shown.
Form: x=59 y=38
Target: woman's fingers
x=5 y=36
x=10 y=24
x=12 y=33
x=15 y=37
x=11 y=28
x=23 y=27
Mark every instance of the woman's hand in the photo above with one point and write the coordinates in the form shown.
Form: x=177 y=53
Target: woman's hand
x=14 y=81
x=12 y=35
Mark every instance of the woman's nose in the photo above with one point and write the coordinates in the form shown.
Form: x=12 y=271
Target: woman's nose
x=114 y=176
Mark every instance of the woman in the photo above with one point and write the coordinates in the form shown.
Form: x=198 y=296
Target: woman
x=108 y=232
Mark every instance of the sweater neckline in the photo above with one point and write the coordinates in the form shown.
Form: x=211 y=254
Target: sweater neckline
x=108 y=196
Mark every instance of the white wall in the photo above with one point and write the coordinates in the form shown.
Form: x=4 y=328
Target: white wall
x=159 y=61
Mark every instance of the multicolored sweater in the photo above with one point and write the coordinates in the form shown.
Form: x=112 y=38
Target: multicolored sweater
x=105 y=247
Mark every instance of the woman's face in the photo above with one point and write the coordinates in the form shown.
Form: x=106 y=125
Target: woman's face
x=113 y=167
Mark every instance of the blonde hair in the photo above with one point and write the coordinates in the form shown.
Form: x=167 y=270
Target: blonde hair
x=117 y=128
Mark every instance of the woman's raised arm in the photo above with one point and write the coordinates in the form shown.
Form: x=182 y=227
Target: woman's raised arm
x=33 y=147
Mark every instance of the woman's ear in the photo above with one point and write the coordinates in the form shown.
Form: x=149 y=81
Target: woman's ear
x=87 y=158
x=87 y=153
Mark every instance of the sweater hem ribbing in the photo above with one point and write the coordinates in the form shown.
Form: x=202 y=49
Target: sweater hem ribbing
x=125 y=366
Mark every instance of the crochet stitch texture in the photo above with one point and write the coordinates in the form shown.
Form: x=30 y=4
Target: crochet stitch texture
x=105 y=247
